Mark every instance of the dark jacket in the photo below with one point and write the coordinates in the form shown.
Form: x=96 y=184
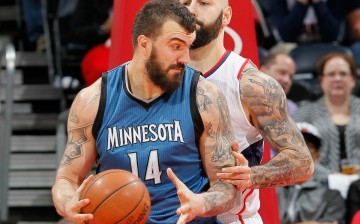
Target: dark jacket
x=314 y=203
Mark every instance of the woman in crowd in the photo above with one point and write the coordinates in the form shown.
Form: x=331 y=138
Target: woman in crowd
x=336 y=114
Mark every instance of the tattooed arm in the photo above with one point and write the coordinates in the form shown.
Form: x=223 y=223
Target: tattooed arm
x=215 y=145
x=79 y=155
x=265 y=101
x=215 y=149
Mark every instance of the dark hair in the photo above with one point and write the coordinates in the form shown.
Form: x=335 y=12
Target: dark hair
x=328 y=57
x=313 y=139
x=150 y=19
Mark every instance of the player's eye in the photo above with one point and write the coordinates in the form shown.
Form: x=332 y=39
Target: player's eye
x=176 y=46
x=186 y=3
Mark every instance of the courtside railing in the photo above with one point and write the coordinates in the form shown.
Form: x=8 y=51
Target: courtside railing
x=7 y=59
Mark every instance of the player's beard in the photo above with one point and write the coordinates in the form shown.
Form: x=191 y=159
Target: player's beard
x=159 y=76
x=207 y=33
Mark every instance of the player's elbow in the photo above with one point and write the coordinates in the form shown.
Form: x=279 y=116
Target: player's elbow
x=309 y=164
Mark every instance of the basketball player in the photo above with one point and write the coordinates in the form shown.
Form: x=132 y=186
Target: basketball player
x=257 y=110
x=152 y=116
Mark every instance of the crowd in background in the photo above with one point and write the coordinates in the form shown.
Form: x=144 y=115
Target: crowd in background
x=329 y=117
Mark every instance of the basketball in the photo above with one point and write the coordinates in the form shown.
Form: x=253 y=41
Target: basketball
x=116 y=196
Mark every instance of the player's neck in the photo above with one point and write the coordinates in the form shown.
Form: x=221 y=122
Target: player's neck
x=204 y=58
x=139 y=83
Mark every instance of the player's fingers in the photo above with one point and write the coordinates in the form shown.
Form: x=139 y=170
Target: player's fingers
x=235 y=146
x=241 y=158
x=229 y=176
x=81 y=218
x=83 y=184
x=184 y=209
x=78 y=205
x=234 y=170
x=183 y=218
x=181 y=196
x=174 y=178
x=240 y=184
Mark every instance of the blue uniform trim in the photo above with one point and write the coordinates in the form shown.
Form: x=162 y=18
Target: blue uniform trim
x=254 y=152
x=198 y=124
x=100 y=114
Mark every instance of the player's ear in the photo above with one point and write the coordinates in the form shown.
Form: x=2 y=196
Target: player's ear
x=227 y=14
x=143 y=43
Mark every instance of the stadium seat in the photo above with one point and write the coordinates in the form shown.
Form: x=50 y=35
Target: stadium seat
x=307 y=57
x=263 y=53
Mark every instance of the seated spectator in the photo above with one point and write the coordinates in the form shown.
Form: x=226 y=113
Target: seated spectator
x=305 y=21
x=353 y=18
x=336 y=114
x=282 y=68
x=353 y=201
x=310 y=201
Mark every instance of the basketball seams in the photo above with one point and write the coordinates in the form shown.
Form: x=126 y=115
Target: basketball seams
x=97 y=177
x=109 y=196
x=135 y=207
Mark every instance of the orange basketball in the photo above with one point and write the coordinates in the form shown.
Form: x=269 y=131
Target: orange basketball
x=116 y=196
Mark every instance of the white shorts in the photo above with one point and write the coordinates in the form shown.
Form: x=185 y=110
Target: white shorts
x=255 y=219
x=245 y=210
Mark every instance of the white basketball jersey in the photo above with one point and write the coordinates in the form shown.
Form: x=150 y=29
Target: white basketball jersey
x=226 y=74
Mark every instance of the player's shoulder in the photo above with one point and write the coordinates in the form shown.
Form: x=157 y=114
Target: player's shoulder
x=90 y=93
x=256 y=83
x=251 y=72
x=235 y=58
x=205 y=87
x=85 y=105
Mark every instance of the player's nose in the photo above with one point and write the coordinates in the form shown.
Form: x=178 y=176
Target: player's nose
x=193 y=8
x=185 y=57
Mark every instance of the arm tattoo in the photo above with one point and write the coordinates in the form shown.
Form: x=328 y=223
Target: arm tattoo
x=218 y=137
x=223 y=151
x=77 y=137
x=218 y=202
x=203 y=100
x=219 y=131
x=265 y=97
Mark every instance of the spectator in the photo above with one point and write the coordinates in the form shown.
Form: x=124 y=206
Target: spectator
x=304 y=21
x=353 y=201
x=353 y=18
x=282 y=68
x=310 y=201
x=91 y=22
x=33 y=24
x=91 y=26
x=336 y=114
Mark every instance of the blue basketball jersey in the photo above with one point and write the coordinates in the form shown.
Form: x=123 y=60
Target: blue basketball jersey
x=147 y=138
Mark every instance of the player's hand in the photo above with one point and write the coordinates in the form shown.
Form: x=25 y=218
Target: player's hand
x=190 y=203
x=239 y=175
x=74 y=205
